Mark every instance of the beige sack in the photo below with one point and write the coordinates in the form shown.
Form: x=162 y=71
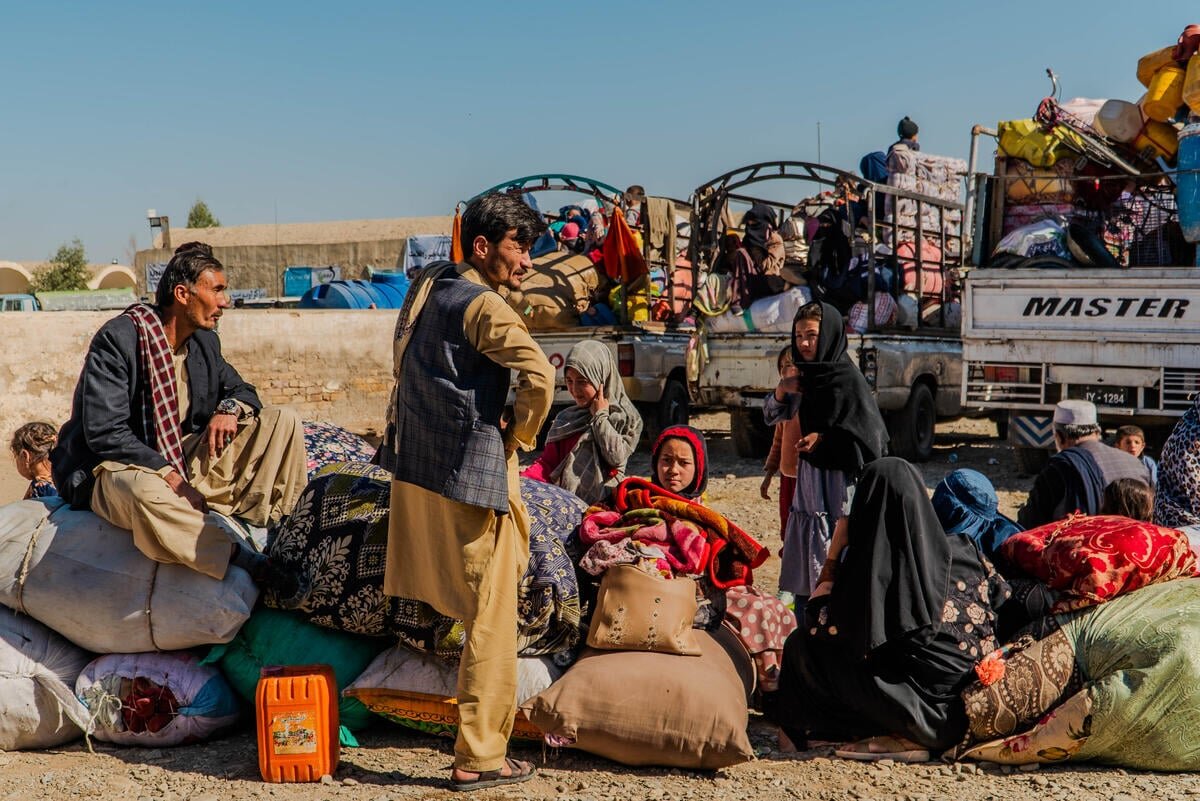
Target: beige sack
x=552 y=292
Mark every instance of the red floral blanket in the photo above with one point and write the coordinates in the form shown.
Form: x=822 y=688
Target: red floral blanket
x=1090 y=559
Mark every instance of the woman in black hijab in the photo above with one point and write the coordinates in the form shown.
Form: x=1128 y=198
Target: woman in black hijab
x=886 y=652
x=841 y=431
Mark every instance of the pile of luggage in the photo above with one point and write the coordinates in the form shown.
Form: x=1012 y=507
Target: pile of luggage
x=1090 y=183
x=98 y=640
x=827 y=247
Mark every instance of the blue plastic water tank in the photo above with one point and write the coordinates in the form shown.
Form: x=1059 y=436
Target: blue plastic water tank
x=384 y=291
x=1187 y=183
x=336 y=295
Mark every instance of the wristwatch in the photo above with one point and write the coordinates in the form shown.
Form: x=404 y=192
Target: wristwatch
x=229 y=406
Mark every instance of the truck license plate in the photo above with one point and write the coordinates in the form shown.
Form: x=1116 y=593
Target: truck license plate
x=1102 y=395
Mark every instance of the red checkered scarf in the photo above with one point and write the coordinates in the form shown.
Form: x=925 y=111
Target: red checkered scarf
x=160 y=403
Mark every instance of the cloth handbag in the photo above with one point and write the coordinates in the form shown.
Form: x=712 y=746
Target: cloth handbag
x=1018 y=684
x=636 y=611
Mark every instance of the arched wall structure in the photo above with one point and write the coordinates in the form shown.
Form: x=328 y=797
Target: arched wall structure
x=14 y=278
x=113 y=276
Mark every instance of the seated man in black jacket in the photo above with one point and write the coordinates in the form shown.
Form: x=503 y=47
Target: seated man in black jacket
x=163 y=429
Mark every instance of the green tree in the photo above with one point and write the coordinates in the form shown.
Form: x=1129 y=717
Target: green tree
x=66 y=270
x=201 y=217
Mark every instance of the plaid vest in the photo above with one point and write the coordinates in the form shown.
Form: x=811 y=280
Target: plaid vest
x=449 y=402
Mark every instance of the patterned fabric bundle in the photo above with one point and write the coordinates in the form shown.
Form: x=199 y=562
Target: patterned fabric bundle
x=732 y=553
x=762 y=622
x=338 y=536
x=1018 y=684
x=1091 y=559
x=159 y=401
x=326 y=444
x=1136 y=701
x=1177 y=496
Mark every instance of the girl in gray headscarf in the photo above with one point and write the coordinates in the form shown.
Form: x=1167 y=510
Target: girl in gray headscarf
x=589 y=443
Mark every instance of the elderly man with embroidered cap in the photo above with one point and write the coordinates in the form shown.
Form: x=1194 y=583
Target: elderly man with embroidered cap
x=1075 y=477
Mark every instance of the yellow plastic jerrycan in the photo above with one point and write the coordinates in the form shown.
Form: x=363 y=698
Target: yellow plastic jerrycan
x=1165 y=94
x=1152 y=63
x=1160 y=137
x=1191 y=84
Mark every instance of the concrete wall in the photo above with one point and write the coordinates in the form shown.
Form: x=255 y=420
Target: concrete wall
x=262 y=266
x=334 y=366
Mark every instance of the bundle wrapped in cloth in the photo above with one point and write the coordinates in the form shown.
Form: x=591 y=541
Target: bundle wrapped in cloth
x=694 y=538
x=85 y=579
x=337 y=536
x=38 y=670
x=1091 y=559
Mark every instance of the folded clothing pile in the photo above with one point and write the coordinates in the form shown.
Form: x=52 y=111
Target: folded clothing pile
x=692 y=538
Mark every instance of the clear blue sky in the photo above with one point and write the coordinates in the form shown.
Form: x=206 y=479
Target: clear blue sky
x=302 y=111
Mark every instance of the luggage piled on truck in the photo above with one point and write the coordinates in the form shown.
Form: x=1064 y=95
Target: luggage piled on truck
x=612 y=258
x=899 y=268
x=1089 y=183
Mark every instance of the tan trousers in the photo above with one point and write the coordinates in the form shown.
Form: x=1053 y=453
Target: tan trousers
x=467 y=563
x=258 y=477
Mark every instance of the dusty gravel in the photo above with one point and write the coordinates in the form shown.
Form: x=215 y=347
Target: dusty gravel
x=395 y=765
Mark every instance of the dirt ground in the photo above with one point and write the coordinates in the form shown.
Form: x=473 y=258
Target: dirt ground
x=392 y=764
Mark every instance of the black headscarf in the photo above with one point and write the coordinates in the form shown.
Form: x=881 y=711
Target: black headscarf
x=837 y=402
x=759 y=222
x=899 y=562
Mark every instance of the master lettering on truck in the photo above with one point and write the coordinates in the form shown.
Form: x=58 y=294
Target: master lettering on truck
x=1101 y=307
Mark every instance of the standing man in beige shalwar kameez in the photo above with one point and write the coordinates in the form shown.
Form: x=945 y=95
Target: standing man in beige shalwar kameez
x=459 y=532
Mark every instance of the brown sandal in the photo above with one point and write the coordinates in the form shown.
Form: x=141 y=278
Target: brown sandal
x=518 y=772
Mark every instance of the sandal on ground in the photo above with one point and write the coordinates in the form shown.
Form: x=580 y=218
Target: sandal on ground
x=874 y=749
x=518 y=772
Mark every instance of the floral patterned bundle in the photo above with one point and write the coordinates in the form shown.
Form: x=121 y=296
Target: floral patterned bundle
x=337 y=535
x=1090 y=559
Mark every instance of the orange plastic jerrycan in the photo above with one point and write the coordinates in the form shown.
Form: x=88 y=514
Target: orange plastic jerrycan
x=297 y=715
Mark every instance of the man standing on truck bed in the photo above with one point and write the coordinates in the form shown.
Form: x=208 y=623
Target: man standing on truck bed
x=458 y=536
x=1076 y=476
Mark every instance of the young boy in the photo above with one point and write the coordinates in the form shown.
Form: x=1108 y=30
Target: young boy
x=783 y=457
x=1132 y=440
x=31 y=445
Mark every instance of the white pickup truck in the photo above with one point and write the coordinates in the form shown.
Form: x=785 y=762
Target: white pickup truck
x=915 y=371
x=1126 y=339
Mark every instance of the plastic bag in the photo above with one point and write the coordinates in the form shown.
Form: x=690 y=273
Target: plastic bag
x=155 y=699
x=1046 y=237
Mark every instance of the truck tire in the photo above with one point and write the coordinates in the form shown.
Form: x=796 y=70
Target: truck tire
x=750 y=433
x=1030 y=461
x=673 y=407
x=911 y=428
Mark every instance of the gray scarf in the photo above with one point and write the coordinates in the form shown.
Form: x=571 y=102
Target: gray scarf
x=584 y=471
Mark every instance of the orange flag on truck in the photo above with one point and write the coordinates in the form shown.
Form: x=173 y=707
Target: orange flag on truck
x=623 y=260
x=456 y=251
